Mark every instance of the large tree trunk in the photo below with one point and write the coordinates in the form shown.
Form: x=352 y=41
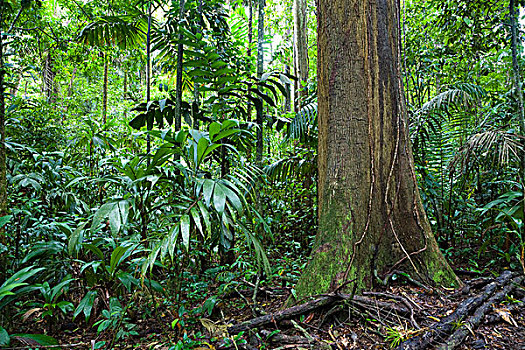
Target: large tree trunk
x=300 y=50
x=371 y=220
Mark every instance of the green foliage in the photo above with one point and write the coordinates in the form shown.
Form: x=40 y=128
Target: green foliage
x=114 y=319
x=11 y=287
x=104 y=230
x=125 y=31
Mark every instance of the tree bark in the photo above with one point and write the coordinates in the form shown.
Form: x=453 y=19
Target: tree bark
x=105 y=90
x=519 y=92
x=148 y=73
x=178 y=87
x=300 y=50
x=288 y=87
x=249 y=68
x=250 y=27
x=3 y=151
x=260 y=69
x=371 y=220
x=125 y=94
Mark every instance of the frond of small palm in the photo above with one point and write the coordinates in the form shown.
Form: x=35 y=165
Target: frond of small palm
x=304 y=121
x=502 y=146
x=459 y=96
x=449 y=114
x=292 y=167
x=123 y=31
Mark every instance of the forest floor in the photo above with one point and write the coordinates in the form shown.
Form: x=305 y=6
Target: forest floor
x=380 y=319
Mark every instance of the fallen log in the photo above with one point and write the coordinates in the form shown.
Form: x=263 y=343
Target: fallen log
x=473 y=321
x=446 y=325
x=323 y=301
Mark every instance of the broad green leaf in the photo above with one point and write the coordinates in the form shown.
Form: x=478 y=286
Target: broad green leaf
x=233 y=198
x=226 y=133
x=7 y=290
x=206 y=217
x=211 y=149
x=150 y=261
x=207 y=191
x=86 y=305
x=162 y=104
x=4 y=220
x=58 y=290
x=41 y=339
x=124 y=211
x=101 y=214
x=116 y=257
x=196 y=219
x=214 y=129
x=172 y=241
x=4 y=337
x=201 y=149
x=22 y=275
x=115 y=221
x=218 y=64
x=94 y=249
x=219 y=198
x=75 y=240
x=185 y=231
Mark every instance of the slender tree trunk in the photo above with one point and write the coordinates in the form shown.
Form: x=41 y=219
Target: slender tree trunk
x=260 y=69
x=250 y=27
x=148 y=73
x=105 y=90
x=180 y=53
x=196 y=94
x=125 y=94
x=125 y=83
x=371 y=220
x=71 y=83
x=3 y=151
x=300 y=50
x=288 y=96
x=49 y=80
x=517 y=86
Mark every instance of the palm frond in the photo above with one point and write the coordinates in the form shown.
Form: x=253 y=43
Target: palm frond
x=459 y=96
x=502 y=146
x=290 y=168
x=304 y=121
x=123 y=31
